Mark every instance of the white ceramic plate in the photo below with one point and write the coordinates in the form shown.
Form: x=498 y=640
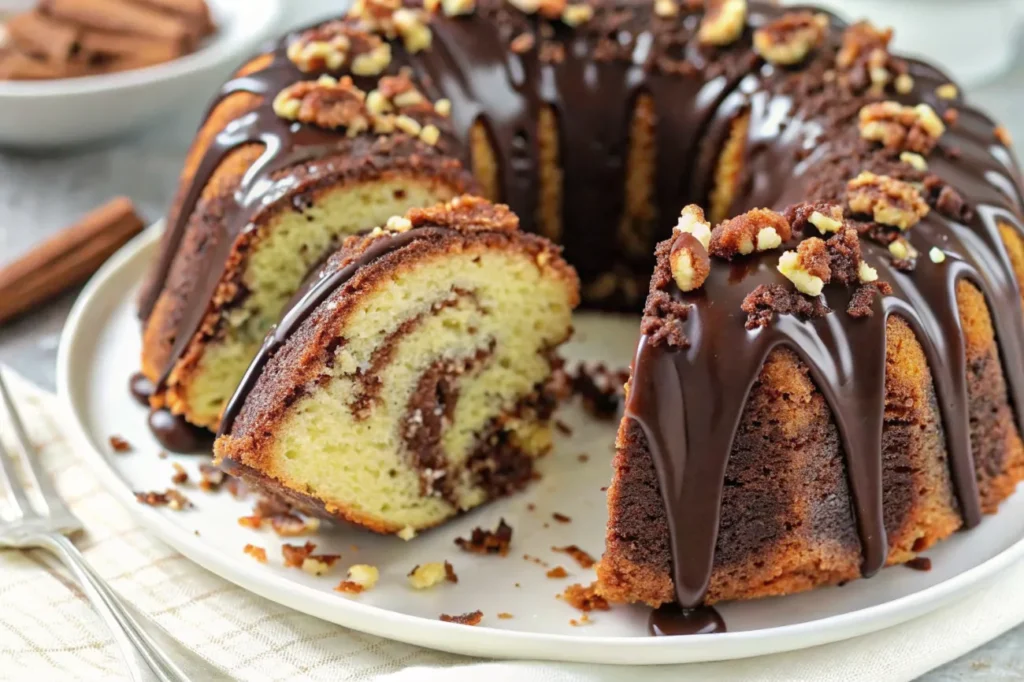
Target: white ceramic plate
x=99 y=352
x=37 y=115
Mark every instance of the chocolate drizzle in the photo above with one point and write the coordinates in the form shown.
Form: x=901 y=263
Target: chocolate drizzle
x=689 y=402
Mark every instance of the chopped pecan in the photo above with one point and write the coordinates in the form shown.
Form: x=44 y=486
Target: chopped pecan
x=294 y=555
x=257 y=553
x=807 y=267
x=904 y=84
x=790 y=38
x=897 y=127
x=170 y=498
x=914 y=160
x=689 y=261
x=756 y=230
x=723 y=22
x=666 y=8
x=937 y=255
x=692 y=221
x=581 y=557
x=211 y=478
x=361 y=577
x=332 y=45
x=825 y=216
x=901 y=250
x=947 y=91
x=472 y=618
x=865 y=63
x=577 y=14
x=455 y=8
x=425 y=576
x=889 y=201
x=859 y=41
x=180 y=476
x=326 y=103
x=119 y=445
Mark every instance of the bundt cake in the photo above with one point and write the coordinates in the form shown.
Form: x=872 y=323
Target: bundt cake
x=413 y=378
x=843 y=348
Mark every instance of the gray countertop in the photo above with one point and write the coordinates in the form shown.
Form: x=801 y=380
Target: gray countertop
x=39 y=195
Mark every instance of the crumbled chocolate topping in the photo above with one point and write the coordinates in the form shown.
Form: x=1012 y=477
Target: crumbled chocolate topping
x=585 y=599
x=581 y=557
x=472 y=618
x=864 y=297
x=488 y=542
x=763 y=303
x=170 y=498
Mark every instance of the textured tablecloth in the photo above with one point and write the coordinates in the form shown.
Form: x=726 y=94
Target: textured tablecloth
x=49 y=632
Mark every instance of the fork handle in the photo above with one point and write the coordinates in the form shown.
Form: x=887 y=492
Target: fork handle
x=134 y=635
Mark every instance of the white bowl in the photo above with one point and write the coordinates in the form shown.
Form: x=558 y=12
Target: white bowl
x=973 y=40
x=38 y=115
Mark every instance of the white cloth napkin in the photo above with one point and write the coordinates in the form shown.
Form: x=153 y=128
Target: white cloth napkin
x=48 y=631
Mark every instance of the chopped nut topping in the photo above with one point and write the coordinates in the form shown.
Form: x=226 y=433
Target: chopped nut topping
x=904 y=84
x=472 y=618
x=937 y=255
x=723 y=22
x=212 y=478
x=756 y=230
x=327 y=103
x=558 y=572
x=947 y=91
x=257 y=553
x=585 y=599
x=455 y=8
x=361 y=577
x=807 y=267
x=290 y=525
x=180 y=476
x=120 y=445
x=827 y=223
x=867 y=274
x=412 y=26
x=666 y=8
x=320 y=564
x=390 y=19
x=689 y=261
x=790 y=38
x=915 y=129
x=522 y=43
x=901 y=250
x=294 y=555
x=443 y=107
x=425 y=576
x=889 y=201
x=1003 y=136
x=488 y=542
x=581 y=557
x=914 y=160
x=170 y=498
x=859 y=40
x=331 y=45
x=574 y=15
x=692 y=221
x=398 y=224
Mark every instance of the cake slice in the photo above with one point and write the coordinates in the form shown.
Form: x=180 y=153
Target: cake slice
x=789 y=422
x=413 y=379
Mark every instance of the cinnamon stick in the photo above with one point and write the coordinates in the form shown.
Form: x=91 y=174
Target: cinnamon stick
x=119 y=16
x=68 y=258
x=40 y=35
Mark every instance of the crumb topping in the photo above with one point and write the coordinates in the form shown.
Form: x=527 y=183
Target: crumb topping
x=488 y=542
x=585 y=599
x=889 y=201
x=170 y=498
x=472 y=618
x=120 y=445
x=757 y=230
x=581 y=557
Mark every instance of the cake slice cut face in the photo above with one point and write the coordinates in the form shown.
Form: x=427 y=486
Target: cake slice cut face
x=413 y=379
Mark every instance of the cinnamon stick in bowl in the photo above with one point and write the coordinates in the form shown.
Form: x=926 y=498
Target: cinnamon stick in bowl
x=68 y=258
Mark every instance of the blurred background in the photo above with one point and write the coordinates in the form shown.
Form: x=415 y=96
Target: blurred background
x=41 y=192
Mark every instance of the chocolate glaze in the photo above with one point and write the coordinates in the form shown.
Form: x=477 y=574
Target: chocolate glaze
x=670 y=620
x=689 y=401
x=141 y=388
x=177 y=435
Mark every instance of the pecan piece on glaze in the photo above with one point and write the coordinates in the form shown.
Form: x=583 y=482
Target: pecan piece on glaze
x=889 y=201
x=756 y=230
x=325 y=103
x=790 y=38
x=689 y=262
x=901 y=128
x=723 y=22
x=808 y=268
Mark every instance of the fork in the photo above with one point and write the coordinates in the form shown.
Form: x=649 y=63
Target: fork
x=48 y=528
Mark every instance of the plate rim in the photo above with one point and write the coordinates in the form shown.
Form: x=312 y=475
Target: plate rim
x=481 y=641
